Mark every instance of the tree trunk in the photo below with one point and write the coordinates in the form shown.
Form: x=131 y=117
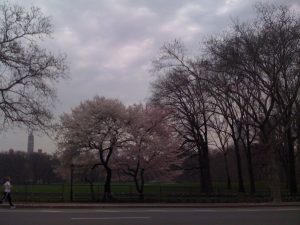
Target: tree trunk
x=207 y=174
x=92 y=191
x=273 y=170
x=274 y=176
x=250 y=169
x=239 y=167
x=227 y=172
x=140 y=186
x=292 y=180
x=203 y=157
x=107 y=185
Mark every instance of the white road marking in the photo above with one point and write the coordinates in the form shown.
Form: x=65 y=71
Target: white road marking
x=50 y=211
x=204 y=210
x=15 y=210
x=267 y=209
x=156 y=210
x=251 y=210
x=110 y=218
x=291 y=209
x=109 y=211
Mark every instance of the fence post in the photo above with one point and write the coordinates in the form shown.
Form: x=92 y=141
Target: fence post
x=160 y=193
x=26 y=192
x=63 y=192
x=71 y=183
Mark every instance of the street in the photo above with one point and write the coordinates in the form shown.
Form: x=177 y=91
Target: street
x=152 y=216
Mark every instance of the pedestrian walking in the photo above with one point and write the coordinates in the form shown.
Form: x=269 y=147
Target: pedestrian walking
x=7 y=192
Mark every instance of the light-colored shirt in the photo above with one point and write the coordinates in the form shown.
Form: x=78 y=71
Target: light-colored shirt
x=7 y=186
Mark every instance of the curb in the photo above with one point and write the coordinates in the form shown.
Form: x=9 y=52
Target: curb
x=151 y=205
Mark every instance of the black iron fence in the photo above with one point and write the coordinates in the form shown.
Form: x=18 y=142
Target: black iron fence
x=127 y=193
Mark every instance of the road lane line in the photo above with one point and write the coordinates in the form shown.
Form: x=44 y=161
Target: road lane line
x=50 y=211
x=205 y=210
x=290 y=209
x=109 y=211
x=268 y=209
x=156 y=210
x=111 y=218
x=252 y=210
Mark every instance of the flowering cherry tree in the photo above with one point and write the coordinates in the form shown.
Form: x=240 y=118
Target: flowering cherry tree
x=96 y=125
x=152 y=148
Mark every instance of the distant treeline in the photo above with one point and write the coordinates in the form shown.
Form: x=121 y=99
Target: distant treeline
x=28 y=168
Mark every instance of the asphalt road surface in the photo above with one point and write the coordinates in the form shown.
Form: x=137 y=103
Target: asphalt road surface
x=152 y=216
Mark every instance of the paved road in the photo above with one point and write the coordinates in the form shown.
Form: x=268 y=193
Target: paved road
x=151 y=216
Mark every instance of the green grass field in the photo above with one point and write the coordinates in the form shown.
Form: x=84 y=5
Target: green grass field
x=154 y=192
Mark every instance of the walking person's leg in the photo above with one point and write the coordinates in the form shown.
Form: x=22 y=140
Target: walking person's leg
x=4 y=197
x=9 y=200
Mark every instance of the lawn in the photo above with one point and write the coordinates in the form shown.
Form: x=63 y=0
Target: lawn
x=154 y=192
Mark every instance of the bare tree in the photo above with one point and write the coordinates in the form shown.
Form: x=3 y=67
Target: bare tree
x=220 y=138
x=27 y=71
x=226 y=109
x=181 y=90
x=243 y=134
x=262 y=57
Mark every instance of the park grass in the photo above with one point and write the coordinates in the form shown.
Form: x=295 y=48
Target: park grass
x=157 y=192
x=219 y=187
x=39 y=188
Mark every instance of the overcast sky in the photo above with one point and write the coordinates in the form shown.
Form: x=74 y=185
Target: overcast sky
x=110 y=45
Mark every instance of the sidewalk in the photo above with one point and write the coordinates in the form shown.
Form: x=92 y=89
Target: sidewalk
x=149 y=205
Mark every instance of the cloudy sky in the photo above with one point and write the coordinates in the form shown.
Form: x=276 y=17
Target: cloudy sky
x=110 y=45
